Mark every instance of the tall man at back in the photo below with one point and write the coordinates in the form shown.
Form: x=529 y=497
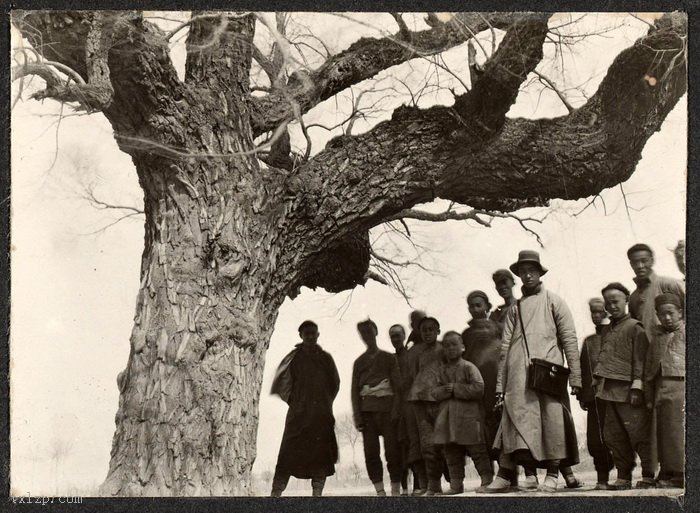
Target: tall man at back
x=649 y=285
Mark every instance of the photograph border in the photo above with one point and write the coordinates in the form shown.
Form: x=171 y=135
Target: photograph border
x=524 y=503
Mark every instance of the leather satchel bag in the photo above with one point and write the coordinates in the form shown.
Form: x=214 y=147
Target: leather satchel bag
x=544 y=376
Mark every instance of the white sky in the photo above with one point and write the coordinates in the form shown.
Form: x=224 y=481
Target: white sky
x=73 y=293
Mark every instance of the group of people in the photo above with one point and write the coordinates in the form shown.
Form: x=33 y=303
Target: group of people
x=478 y=394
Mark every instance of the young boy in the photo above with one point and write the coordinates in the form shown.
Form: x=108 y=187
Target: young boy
x=665 y=388
x=619 y=381
x=590 y=353
x=425 y=369
x=459 y=426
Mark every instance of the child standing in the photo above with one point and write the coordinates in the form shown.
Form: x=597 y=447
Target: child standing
x=665 y=388
x=590 y=353
x=619 y=382
x=459 y=426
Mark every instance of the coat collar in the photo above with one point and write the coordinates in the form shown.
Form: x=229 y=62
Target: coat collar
x=645 y=281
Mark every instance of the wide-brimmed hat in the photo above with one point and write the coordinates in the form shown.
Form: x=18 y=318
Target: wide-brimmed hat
x=528 y=255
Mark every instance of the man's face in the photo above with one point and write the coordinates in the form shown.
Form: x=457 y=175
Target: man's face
x=367 y=334
x=615 y=303
x=529 y=273
x=397 y=337
x=598 y=314
x=642 y=263
x=453 y=346
x=429 y=332
x=504 y=287
x=478 y=307
x=309 y=334
x=669 y=316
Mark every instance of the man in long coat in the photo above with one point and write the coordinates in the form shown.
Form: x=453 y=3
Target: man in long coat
x=307 y=380
x=535 y=428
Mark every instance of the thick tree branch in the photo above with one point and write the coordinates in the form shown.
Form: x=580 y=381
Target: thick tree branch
x=364 y=59
x=498 y=85
x=357 y=182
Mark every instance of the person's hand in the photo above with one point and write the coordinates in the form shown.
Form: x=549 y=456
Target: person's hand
x=575 y=390
x=499 y=402
x=583 y=405
x=636 y=397
x=450 y=388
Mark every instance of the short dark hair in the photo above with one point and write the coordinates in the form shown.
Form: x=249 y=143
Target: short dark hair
x=307 y=324
x=398 y=326
x=451 y=333
x=616 y=286
x=368 y=322
x=639 y=247
x=424 y=319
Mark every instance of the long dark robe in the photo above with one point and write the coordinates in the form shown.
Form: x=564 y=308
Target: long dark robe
x=309 y=447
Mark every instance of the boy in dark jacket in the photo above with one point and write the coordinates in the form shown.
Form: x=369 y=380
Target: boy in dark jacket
x=664 y=375
x=619 y=382
x=590 y=352
x=459 y=426
x=376 y=406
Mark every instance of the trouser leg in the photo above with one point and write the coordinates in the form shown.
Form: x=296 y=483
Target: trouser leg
x=602 y=457
x=392 y=448
x=669 y=406
x=317 y=484
x=618 y=441
x=433 y=462
x=637 y=423
x=455 y=455
x=482 y=462
x=279 y=483
x=370 y=443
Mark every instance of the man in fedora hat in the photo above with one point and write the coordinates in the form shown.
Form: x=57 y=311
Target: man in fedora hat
x=535 y=428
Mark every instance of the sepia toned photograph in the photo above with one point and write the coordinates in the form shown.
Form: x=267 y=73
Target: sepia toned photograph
x=347 y=254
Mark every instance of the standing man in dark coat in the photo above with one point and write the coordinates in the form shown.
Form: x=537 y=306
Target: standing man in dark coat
x=307 y=380
x=590 y=352
x=376 y=406
x=415 y=455
x=397 y=335
x=482 y=342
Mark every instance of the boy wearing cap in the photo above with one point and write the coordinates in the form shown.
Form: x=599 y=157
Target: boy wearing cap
x=590 y=353
x=376 y=406
x=535 y=428
x=619 y=378
x=665 y=389
x=459 y=426
x=426 y=368
x=307 y=380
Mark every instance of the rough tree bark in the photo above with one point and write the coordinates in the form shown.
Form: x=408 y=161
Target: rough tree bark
x=226 y=240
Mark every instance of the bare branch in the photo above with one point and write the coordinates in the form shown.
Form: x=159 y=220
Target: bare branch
x=550 y=85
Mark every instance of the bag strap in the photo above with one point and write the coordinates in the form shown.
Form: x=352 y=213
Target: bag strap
x=522 y=328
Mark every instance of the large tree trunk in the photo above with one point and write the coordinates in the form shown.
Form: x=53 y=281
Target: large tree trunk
x=187 y=418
